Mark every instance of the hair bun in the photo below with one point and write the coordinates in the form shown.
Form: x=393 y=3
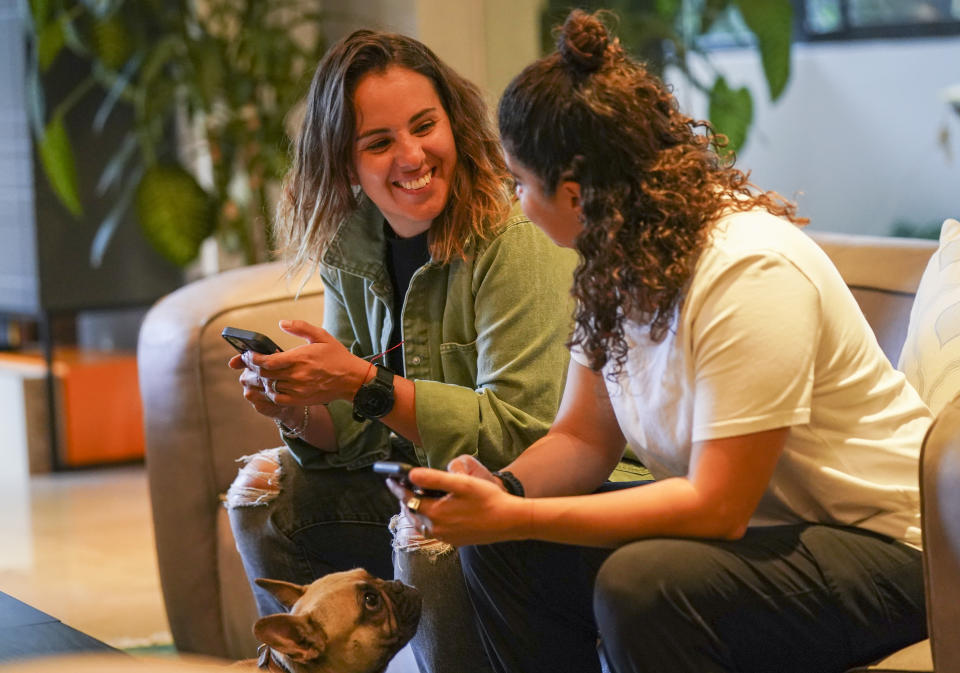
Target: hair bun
x=583 y=41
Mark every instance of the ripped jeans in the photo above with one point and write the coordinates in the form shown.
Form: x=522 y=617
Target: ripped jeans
x=298 y=525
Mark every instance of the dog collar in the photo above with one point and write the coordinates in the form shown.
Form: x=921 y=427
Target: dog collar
x=266 y=656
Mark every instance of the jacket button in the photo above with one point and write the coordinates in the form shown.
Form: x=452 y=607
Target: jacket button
x=416 y=359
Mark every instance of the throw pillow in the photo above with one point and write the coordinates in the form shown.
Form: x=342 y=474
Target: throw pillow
x=930 y=358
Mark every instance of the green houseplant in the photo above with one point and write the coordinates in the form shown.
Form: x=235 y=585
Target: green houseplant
x=210 y=84
x=666 y=33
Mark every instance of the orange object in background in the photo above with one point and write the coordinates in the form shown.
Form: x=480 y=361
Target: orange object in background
x=99 y=415
x=100 y=407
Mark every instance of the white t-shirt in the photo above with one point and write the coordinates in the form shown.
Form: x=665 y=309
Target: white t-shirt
x=769 y=336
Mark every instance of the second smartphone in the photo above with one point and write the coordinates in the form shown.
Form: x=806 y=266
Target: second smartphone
x=401 y=472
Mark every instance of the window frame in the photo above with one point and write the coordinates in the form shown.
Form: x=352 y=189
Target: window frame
x=849 y=32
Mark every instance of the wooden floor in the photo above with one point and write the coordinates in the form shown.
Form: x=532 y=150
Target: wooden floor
x=79 y=546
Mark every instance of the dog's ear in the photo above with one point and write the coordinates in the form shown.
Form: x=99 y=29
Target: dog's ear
x=291 y=636
x=285 y=592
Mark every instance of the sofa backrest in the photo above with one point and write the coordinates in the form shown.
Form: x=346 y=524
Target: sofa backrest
x=883 y=273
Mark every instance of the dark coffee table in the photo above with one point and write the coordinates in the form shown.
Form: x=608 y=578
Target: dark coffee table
x=26 y=632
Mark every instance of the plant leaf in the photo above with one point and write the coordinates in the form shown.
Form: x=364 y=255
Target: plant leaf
x=71 y=37
x=36 y=101
x=114 y=168
x=50 y=41
x=712 y=10
x=110 y=223
x=772 y=22
x=56 y=156
x=112 y=42
x=668 y=8
x=158 y=56
x=120 y=86
x=40 y=9
x=731 y=113
x=175 y=213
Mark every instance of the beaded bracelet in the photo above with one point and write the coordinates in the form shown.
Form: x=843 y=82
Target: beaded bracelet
x=294 y=432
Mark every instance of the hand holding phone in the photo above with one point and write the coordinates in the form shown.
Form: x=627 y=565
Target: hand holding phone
x=246 y=340
x=400 y=472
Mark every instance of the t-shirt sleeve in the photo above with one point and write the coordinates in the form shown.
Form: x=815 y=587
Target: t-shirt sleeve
x=754 y=334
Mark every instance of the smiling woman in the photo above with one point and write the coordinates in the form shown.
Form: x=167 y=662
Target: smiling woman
x=400 y=198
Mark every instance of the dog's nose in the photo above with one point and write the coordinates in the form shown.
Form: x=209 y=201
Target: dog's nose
x=405 y=598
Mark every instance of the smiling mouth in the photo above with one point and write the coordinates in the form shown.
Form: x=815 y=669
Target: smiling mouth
x=419 y=183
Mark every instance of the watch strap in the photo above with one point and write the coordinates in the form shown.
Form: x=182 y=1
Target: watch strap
x=510 y=482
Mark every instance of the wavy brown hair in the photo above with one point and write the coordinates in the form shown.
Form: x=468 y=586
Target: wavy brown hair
x=317 y=194
x=652 y=182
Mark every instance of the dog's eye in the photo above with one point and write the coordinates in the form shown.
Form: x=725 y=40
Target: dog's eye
x=371 y=600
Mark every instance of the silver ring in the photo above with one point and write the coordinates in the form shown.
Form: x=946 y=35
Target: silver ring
x=413 y=504
x=273 y=386
x=423 y=529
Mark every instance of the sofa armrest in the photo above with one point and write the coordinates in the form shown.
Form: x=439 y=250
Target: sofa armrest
x=196 y=426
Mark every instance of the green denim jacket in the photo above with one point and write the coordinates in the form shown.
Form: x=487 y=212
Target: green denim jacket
x=484 y=342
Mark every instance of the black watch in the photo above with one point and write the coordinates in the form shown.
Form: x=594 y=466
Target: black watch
x=375 y=398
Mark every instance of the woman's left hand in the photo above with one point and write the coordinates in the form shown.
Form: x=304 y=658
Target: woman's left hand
x=476 y=509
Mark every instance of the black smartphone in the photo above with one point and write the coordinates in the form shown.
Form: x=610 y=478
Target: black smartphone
x=401 y=472
x=246 y=340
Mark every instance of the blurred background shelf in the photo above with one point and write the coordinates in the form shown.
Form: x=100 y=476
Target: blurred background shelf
x=97 y=405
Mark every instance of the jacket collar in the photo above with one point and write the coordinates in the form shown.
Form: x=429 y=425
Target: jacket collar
x=359 y=246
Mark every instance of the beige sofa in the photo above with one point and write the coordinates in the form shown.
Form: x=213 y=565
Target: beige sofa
x=197 y=423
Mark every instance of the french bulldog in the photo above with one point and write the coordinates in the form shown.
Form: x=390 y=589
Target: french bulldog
x=344 y=622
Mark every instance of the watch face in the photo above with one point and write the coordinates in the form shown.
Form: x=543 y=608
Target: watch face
x=375 y=398
x=374 y=402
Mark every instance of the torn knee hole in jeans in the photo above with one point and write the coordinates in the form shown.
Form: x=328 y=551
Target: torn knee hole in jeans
x=257 y=482
x=406 y=538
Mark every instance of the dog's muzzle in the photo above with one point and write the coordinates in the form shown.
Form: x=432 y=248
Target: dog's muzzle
x=407 y=604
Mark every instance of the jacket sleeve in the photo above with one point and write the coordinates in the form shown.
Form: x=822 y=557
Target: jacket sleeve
x=523 y=316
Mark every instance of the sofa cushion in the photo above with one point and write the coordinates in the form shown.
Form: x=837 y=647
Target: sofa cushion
x=930 y=358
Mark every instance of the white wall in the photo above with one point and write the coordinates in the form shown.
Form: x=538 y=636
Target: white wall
x=487 y=41
x=855 y=136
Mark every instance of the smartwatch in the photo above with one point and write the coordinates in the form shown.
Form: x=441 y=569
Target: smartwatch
x=375 y=398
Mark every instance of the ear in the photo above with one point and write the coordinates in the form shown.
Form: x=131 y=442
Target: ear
x=570 y=193
x=285 y=592
x=289 y=635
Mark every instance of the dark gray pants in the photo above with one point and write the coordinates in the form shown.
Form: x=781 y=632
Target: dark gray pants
x=804 y=598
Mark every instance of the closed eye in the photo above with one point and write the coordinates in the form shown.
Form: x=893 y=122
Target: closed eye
x=425 y=127
x=378 y=145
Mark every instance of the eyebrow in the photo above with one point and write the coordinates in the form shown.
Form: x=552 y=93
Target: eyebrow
x=412 y=120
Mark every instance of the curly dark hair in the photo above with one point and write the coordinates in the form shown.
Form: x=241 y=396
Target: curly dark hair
x=652 y=182
x=317 y=194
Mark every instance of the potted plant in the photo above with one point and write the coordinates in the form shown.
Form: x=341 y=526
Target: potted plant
x=210 y=84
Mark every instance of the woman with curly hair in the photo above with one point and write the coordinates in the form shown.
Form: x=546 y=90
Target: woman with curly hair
x=716 y=341
x=399 y=196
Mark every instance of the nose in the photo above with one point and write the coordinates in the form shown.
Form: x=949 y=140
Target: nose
x=410 y=154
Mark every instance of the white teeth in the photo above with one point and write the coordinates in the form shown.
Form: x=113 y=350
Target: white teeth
x=419 y=183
